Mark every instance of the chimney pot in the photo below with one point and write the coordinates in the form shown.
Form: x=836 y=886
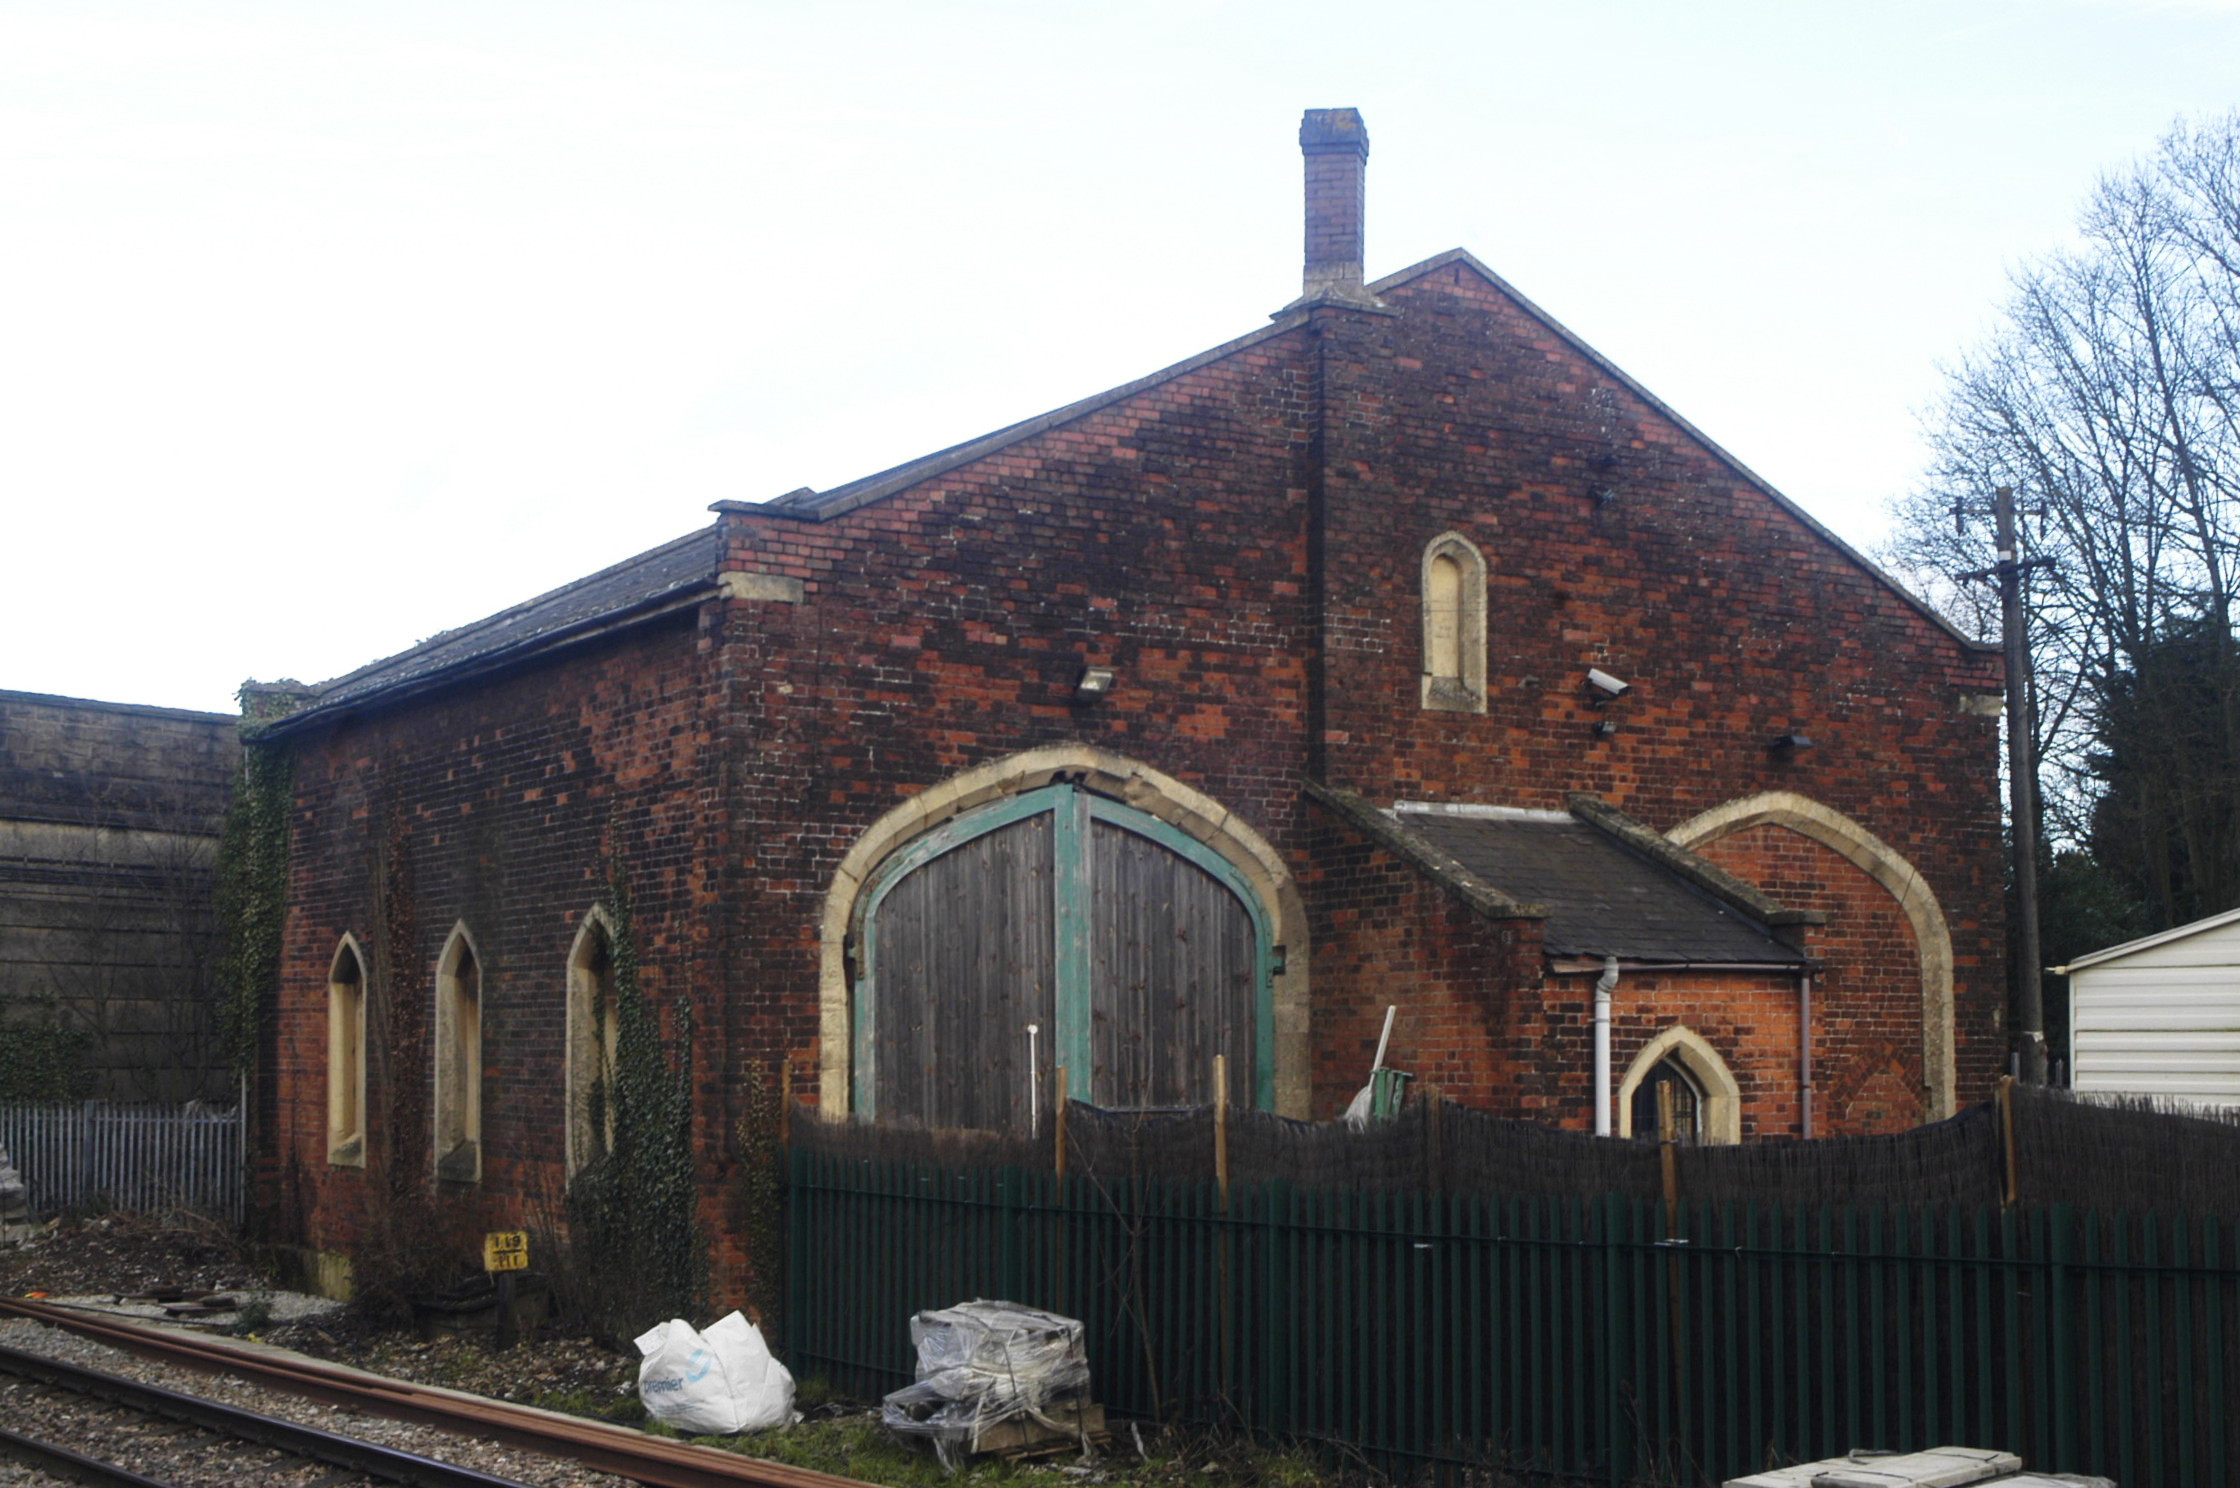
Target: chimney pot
x=1336 y=145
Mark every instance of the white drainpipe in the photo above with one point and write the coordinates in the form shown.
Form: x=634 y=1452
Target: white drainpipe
x=1604 y=985
x=1804 y=1052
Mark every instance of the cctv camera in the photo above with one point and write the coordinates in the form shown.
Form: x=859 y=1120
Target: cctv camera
x=1607 y=683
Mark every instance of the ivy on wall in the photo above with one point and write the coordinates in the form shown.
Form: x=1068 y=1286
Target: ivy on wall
x=252 y=895
x=40 y=1061
x=634 y=1211
x=759 y=1143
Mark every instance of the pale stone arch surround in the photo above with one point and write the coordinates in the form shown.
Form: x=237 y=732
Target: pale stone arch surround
x=589 y=1057
x=1129 y=781
x=1722 y=1092
x=1886 y=866
x=346 y=1054
x=462 y=989
x=1465 y=690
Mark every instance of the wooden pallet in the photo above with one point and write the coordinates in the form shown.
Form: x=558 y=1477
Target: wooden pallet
x=1023 y=1437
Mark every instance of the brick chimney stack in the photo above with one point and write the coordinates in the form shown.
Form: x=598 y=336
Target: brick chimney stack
x=1336 y=144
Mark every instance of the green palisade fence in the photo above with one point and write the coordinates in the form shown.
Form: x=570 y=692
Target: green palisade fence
x=1579 y=1338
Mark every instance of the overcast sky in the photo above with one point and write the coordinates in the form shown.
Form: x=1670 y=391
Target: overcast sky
x=325 y=327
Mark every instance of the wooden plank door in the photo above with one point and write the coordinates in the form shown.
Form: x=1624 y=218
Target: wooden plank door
x=1174 y=972
x=963 y=955
x=1133 y=949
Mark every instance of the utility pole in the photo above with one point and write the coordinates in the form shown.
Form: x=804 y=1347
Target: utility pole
x=2022 y=792
x=2022 y=777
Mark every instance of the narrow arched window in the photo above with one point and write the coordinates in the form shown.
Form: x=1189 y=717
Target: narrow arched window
x=1454 y=625
x=1442 y=619
x=459 y=1060
x=346 y=1057
x=591 y=1042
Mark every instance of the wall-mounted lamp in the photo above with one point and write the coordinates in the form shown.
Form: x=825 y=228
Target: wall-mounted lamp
x=1604 y=728
x=1785 y=744
x=1605 y=684
x=1093 y=683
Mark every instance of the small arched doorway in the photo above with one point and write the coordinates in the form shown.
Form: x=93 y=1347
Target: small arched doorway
x=1706 y=1097
x=1133 y=953
x=1687 y=1097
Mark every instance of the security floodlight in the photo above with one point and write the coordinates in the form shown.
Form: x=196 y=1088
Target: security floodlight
x=1094 y=682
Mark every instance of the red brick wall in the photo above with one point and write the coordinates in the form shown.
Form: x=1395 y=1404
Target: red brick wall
x=1479 y=1017
x=944 y=628
x=1867 y=1003
x=1614 y=540
x=506 y=800
x=1387 y=935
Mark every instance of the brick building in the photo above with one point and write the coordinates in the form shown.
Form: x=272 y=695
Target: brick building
x=1400 y=652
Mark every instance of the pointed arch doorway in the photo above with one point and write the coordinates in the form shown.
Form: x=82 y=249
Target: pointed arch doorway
x=1134 y=951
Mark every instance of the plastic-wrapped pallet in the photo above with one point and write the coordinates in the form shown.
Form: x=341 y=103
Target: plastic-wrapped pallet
x=984 y=1363
x=1939 y=1467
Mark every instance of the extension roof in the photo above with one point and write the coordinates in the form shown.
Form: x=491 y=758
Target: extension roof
x=655 y=581
x=1602 y=883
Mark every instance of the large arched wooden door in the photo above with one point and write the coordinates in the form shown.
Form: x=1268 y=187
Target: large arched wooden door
x=1135 y=952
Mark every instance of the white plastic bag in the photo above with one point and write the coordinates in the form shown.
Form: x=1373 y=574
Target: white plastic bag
x=716 y=1383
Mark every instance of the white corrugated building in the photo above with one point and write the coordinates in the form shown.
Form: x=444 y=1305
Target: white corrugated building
x=2160 y=1016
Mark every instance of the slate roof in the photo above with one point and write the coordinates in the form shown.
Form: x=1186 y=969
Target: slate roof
x=1600 y=898
x=652 y=581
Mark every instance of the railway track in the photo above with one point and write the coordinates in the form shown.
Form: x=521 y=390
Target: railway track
x=652 y=1460
x=107 y=1410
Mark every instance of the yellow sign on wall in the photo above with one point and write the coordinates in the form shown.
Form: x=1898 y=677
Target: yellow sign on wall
x=505 y=1250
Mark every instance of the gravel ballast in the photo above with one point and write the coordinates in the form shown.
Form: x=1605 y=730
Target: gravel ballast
x=191 y=1461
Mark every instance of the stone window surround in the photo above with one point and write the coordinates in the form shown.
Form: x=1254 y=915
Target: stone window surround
x=1466 y=692
x=458 y=1072
x=597 y=926
x=346 y=1055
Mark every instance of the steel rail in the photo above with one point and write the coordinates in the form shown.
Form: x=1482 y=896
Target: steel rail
x=653 y=1460
x=386 y=1463
x=61 y=1462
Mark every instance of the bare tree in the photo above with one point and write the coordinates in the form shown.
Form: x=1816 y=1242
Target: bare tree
x=2110 y=399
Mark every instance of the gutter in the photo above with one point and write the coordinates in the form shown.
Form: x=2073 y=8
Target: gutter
x=1589 y=965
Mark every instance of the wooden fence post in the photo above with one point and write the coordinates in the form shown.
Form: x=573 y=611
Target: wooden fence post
x=1059 y=1094
x=1221 y=1228
x=2011 y=1186
x=1221 y=1128
x=1061 y=1211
